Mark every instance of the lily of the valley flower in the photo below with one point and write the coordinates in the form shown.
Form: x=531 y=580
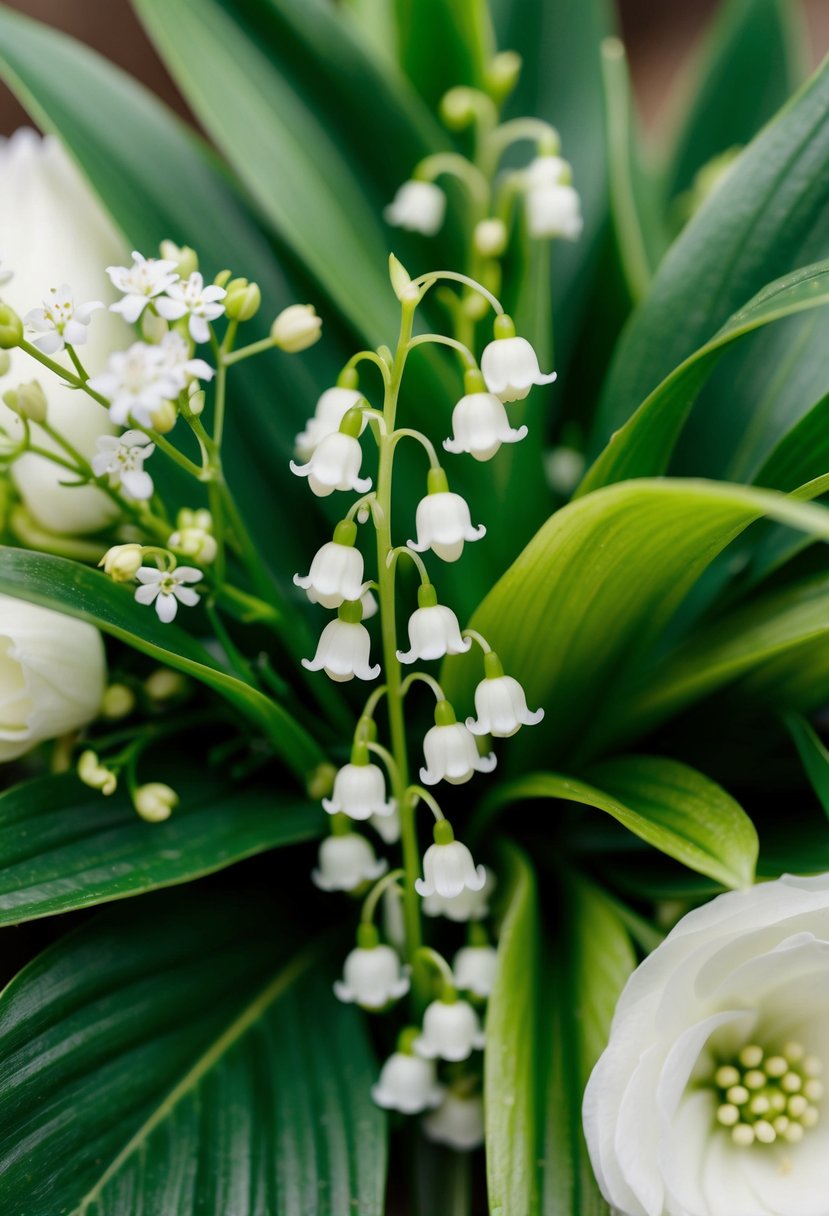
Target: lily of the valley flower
x=500 y=703
x=463 y=908
x=331 y=408
x=336 y=572
x=122 y=458
x=510 y=365
x=360 y=790
x=450 y=751
x=442 y=520
x=335 y=462
x=448 y=867
x=418 y=207
x=167 y=589
x=480 y=425
x=554 y=211
x=547 y=171
x=346 y=861
x=344 y=647
x=140 y=283
x=458 y=1122
x=451 y=1031
x=60 y=321
x=408 y=1082
x=372 y=974
x=474 y=969
x=136 y=382
x=433 y=629
x=190 y=298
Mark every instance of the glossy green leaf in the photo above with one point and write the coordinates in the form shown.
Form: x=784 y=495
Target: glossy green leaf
x=813 y=754
x=166 y=1058
x=802 y=453
x=510 y=1098
x=64 y=846
x=90 y=596
x=642 y=447
x=442 y=43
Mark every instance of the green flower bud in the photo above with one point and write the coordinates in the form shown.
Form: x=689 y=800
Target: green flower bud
x=5 y=362
x=11 y=328
x=242 y=300
x=502 y=74
x=27 y=400
x=490 y=238
x=185 y=258
x=118 y=702
x=457 y=108
x=164 y=417
x=164 y=684
x=223 y=278
x=320 y=781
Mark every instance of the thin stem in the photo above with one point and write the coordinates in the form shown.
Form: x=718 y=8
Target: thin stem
x=479 y=638
x=425 y=678
x=367 y=500
x=376 y=893
x=373 y=702
x=419 y=794
x=164 y=445
x=442 y=340
x=543 y=133
x=245 y=352
x=370 y=356
x=459 y=167
x=406 y=432
x=79 y=367
x=425 y=281
x=386 y=756
x=427 y=955
x=403 y=551
x=63 y=372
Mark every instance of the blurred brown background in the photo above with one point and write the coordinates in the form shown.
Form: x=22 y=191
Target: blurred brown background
x=658 y=35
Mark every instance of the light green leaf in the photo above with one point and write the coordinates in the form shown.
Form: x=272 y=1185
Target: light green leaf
x=64 y=846
x=813 y=754
x=67 y=587
x=166 y=1058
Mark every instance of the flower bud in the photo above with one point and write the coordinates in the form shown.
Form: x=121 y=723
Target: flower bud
x=296 y=328
x=490 y=238
x=457 y=108
x=27 y=400
x=153 y=327
x=164 y=417
x=5 y=362
x=320 y=781
x=164 y=684
x=196 y=543
x=223 y=278
x=242 y=300
x=195 y=399
x=155 y=801
x=185 y=258
x=11 y=328
x=118 y=702
x=122 y=562
x=502 y=74
x=96 y=775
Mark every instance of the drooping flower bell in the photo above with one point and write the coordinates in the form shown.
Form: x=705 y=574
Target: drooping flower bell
x=448 y=867
x=500 y=703
x=474 y=968
x=479 y=422
x=510 y=365
x=344 y=646
x=335 y=462
x=418 y=207
x=408 y=1082
x=433 y=629
x=360 y=789
x=450 y=751
x=458 y=1122
x=346 y=861
x=554 y=211
x=372 y=974
x=336 y=572
x=331 y=408
x=469 y=906
x=442 y=520
x=451 y=1030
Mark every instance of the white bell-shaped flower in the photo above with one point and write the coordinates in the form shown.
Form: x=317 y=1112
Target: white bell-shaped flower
x=372 y=974
x=442 y=520
x=468 y=906
x=510 y=365
x=500 y=703
x=451 y=1031
x=554 y=211
x=450 y=751
x=360 y=789
x=448 y=867
x=433 y=629
x=335 y=462
x=407 y=1082
x=387 y=826
x=346 y=861
x=418 y=207
x=331 y=408
x=458 y=1122
x=344 y=646
x=474 y=969
x=336 y=572
x=547 y=171
x=480 y=423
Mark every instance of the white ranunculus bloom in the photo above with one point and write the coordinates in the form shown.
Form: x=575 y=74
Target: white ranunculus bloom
x=52 y=675
x=345 y=862
x=418 y=206
x=360 y=793
x=372 y=978
x=458 y=1122
x=474 y=969
x=450 y=751
x=331 y=408
x=337 y=570
x=333 y=465
x=480 y=425
x=554 y=211
x=707 y=1099
x=407 y=1083
x=510 y=368
x=500 y=704
x=433 y=630
x=451 y=1031
x=443 y=524
x=55 y=231
x=343 y=650
x=448 y=867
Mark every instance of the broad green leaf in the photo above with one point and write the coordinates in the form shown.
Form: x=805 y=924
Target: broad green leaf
x=64 y=846
x=768 y=216
x=577 y=613
x=90 y=596
x=671 y=806
x=442 y=43
x=443 y=1180
x=813 y=754
x=642 y=447
x=510 y=1065
x=166 y=1058
x=802 y=453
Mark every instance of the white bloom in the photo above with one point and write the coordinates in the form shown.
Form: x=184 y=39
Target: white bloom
x=346 y=862
x=433 y=630
x=122 y=459
x=175 y=357
x=296 y=328
x=450 y=751
x=451 y=1031
x=458 y=1122
x=195 y=542
x=387 y=826
x=145 y=280
x=510 y=368
x=61 y=321
x=443 y=523
x=122 y=562
x=417 y=206
x=372 y=978
x=334 y=465
x=369 y=605
x=59 y=232
x=167 y=589
x=190 y=297
x=343 y=649
x=706 y=1099
x=155 y=801
x=480 y=425
x=448 y=867
x=500 y=704
x=490 y=238
x=52 y=675
x=407 y=1083
x=136 y=382
x=474 y=969
x=360 y=793
x=331 y=408
x=468 y=906
x=336 y=572
x=554 y=211
x=547 y=171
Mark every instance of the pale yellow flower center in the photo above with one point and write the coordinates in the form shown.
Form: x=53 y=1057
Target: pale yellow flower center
x=764 y=1097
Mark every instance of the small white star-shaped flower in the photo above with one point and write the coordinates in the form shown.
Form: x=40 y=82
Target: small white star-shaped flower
x=167 y=589
x=61 y=321
x=122 y=459
x=175 y=357
x=142 y=282
x=136 y=382
x=190 y=297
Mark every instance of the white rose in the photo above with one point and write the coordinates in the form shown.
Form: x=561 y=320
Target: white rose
x=52 y=675
x=52 y=231
x=706 y=1101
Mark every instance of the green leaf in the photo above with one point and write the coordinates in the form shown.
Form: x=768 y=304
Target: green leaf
x=642 y=447
x=442 y=43
x=166 y=1058
x=581 y=608
x=64 y=846
x=813 y=754
x=510 y=1078
x=68 y=587
x=801 y=454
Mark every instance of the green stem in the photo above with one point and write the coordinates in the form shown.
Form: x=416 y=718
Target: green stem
x=245 y=352
x=375 y=894
x=465 y=353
